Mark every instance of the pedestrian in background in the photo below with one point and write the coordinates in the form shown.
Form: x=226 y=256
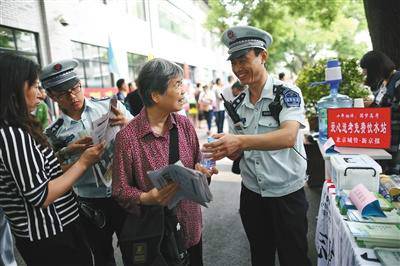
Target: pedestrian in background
x=42 y=110
x=207 y=102
x=219 y=105
x=35 y=194
x=123 y=90
x=282 y=76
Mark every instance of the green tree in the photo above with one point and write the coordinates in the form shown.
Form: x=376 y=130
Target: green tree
x=383 y=23
x=301 y=29
x=351 y=84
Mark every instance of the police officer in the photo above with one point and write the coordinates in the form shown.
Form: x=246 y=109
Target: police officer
x=273 y=205
x=70 y=135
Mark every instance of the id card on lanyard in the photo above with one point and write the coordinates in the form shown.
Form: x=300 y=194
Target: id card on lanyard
x=381 y=93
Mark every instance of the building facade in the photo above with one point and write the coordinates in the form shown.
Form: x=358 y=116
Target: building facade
x=137 y=30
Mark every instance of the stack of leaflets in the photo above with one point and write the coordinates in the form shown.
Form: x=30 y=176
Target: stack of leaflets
x=344 y=202
x=388 y=256
x=389 y=187
x=372 y=235
x=392 y=217
x=193 y=185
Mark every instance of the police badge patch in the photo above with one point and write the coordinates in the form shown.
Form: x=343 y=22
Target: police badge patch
x=291 y=98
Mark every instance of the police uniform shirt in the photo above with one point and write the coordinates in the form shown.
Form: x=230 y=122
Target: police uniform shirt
x=71 y=130
x=272 y=173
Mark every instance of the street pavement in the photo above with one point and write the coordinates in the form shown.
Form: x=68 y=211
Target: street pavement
x=224 y=240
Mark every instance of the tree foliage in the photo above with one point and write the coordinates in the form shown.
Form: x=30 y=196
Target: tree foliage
x=301 y=29
x=351 y=85
x=383 y=23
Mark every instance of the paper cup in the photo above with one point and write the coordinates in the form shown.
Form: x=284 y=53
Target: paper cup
x=359 y=103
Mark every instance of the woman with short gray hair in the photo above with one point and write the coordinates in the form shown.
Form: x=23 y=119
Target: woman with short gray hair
x=143 y=145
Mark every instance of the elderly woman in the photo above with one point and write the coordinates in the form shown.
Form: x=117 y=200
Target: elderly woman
x=35 y=193
x=143 y=145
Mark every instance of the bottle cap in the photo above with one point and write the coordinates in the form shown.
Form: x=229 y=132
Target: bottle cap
x=210 y=139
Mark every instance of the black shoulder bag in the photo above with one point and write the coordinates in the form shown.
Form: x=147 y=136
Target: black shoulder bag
x=155 y=238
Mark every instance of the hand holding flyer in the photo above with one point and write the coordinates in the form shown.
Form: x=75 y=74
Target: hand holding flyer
x=193 y=185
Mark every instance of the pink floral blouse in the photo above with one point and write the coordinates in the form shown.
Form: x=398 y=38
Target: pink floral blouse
x=138 y=150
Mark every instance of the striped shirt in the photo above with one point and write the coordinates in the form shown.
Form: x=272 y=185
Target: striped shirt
x=26 y=167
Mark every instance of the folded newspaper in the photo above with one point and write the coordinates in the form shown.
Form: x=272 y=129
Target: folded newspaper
x=193 y=185
x=102 y=131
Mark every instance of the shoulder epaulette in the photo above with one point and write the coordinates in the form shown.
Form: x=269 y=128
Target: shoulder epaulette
x=278 y=89
x=238 y=100
x=52 y=130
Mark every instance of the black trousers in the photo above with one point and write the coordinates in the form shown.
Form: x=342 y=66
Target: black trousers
x=68 y=248
x=101 y=239
x=196 y=254
x=219 y=120
x=275 y=224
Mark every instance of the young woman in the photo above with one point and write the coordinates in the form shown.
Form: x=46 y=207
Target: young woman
x=35 y=194
x=384 y=80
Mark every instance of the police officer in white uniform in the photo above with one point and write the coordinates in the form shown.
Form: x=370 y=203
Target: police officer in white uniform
x=273 y=165
x=70 y=135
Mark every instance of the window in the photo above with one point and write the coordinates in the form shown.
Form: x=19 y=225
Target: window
x=175 y=20
x=135 y=62
x=136 y=8
x=192 y=73
x=20 y=42
x=93 y=65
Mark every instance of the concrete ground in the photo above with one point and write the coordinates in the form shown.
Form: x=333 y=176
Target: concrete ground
x=224 y=240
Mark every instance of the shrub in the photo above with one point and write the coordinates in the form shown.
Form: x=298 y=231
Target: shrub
x=351 y=85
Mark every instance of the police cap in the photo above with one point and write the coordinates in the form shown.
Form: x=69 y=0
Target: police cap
x=59 y=75
x=241 y=39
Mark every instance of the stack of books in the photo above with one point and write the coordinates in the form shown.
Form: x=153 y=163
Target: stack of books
x=388 y=256
x=371 y=235
x=392 y=217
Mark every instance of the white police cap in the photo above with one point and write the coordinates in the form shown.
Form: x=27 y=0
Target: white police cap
x=59 y=75
x=240 y=39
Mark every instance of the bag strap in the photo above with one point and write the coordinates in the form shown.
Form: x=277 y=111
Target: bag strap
x=173 y=144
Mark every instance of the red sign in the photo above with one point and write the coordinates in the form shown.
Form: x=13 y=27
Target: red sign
x=100 y=93
x=360 y=127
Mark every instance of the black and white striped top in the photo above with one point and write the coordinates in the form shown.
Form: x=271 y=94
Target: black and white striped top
x=26 y=167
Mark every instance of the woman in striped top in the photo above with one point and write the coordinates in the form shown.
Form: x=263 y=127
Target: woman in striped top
x=35 y=194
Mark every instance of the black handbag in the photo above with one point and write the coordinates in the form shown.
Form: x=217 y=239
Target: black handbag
x=155 y=238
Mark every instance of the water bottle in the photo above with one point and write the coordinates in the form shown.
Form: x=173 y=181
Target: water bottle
x=333 y=77
x=206 y=161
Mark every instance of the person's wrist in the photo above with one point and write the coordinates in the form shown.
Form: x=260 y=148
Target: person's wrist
x=241 y=143
x=83 y=162
x=62 y=154
x=143 y=198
